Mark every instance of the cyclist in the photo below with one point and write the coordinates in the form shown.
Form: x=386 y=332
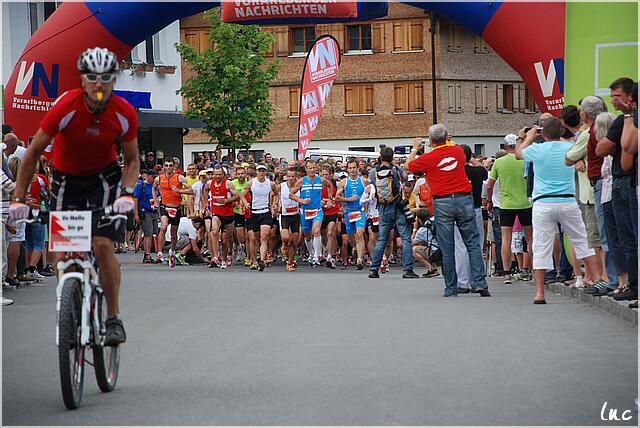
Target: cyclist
x=86 y=123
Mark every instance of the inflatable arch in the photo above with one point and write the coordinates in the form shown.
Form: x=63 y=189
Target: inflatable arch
x=530 y=37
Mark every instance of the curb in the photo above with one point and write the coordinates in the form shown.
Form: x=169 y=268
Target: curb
x=619 y=309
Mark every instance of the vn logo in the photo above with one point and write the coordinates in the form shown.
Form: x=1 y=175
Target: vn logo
x=547 y=80
x=36 y=75
x=323 y=55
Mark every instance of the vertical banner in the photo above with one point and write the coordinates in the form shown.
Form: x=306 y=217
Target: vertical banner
x=320 y=70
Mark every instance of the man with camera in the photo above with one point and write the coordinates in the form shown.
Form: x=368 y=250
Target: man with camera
x=444 y=168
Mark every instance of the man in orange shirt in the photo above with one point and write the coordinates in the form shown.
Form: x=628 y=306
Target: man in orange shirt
x=172 y=187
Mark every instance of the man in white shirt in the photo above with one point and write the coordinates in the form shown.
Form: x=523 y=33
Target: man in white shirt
x=190 y=232
x=13 y=148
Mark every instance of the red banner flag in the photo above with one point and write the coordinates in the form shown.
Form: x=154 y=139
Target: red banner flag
x=251 y=10
x=320 y=70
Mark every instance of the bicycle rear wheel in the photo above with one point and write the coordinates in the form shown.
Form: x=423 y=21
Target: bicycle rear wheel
x=70 y=349
x=106 y=359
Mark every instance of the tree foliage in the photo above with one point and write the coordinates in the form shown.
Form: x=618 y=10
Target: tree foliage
x=230 y=89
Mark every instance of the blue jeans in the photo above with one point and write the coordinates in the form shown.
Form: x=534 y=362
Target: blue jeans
x=393 y=216
x=497 y=236
x=612 y=272
x=625 y=212
x=458 y=211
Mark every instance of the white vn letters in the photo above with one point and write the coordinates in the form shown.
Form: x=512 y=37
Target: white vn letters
x=24 y=77
x=546 y=82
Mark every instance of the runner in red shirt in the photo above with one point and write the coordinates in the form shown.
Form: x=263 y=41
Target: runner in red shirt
x=86 y=123
x=331 y=209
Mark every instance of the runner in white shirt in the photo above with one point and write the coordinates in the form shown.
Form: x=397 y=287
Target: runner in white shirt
x=194 y=200
x=262 y=189
x=289 y=220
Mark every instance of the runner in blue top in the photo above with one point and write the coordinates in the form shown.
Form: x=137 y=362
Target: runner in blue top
x=310 y=200
x=350 y=190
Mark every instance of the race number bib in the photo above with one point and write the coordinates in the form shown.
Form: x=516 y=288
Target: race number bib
x=217 y=200
x=291 y=210
x=354 y=216
x=171 y=212
x=310 y=214
x=375 y=221
x=152 y=203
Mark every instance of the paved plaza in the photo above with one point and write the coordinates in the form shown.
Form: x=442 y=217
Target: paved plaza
x=326 y=347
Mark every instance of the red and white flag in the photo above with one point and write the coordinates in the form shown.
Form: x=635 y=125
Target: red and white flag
x=320 y=70
x=252 y=10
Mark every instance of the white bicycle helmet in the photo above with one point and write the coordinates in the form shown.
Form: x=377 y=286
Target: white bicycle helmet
x=97 y=60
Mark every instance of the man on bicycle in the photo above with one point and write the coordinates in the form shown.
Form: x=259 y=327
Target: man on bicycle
x=86 y=123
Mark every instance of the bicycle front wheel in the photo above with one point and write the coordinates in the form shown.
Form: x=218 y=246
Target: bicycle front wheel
x=70 y=349
x=106 y=359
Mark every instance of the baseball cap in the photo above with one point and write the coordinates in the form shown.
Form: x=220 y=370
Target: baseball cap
x=343 y=174
x=151 y=154
x=261 y=167
x=510 y=140
x=202 y=173
x=244 y=165
x=411 y=177
x=209 y=170
x=152 y=172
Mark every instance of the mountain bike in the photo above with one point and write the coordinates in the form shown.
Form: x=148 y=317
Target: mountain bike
x=81 y=313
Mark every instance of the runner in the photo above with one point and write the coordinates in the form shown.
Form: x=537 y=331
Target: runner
x=223 y=195
x=350 y=190
x=330 y=210
x=310 y=187
x=370 y=202
x=289 y=220
x=240 y=182
x=261 y=189
x=192 y=178
x=172 y=187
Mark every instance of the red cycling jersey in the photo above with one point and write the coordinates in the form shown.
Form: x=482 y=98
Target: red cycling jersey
x=85 y=142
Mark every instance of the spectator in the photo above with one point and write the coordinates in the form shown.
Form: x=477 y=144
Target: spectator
x=240 y=157
x=7 y=188
x=624 y=197
x=146 y=214
x=513 y=200
x=495 y=217
x=554 y=200
x=191 y=234
x=34 y=232
x=630 y=132
x=444 y=169
x=423 y=244
x=12 y=147
x=149 y=162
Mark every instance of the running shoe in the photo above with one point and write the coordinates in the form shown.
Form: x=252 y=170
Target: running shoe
x=147 y=259
x=261 y=266
x=268 y=259
x=223 y=265
x=359 y=264
x=330 y=264
x=172 y=261
x=181 y=259
x=254 y=266
x=215 y=263
x=290 y=267
x=284 y=251
x=247 y=262
x=47 y=271
x=37 y=275
x=229 y=261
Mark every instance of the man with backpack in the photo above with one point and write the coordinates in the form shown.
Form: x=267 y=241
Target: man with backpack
x=444 y=168
x=387 y=179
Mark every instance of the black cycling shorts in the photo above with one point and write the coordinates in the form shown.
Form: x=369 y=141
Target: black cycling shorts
x=79 y=193
x=290 y=223
x=224 y=219
x=172 y=213
x=259 y=220
x=239 y=220
x=374 y=227
x=328 y=219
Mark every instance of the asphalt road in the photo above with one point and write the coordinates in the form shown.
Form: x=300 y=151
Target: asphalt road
x=326 y=347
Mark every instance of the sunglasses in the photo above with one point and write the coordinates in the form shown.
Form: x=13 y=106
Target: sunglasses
x=168 y=165
x=104 y=78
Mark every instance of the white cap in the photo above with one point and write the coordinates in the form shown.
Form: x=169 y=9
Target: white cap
x=510 y=140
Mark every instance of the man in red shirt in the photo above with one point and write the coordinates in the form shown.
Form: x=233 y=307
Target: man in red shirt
x=86 y=123
x=452 y=204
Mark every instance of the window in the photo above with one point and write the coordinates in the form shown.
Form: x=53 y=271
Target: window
x=530 y=105
x=40 y=12
x=148 y=44
x=480 y=46
x=363 y=149
x=408 y=97
x=454 y=98
x=157 y=52
x=407 y=36
x=359 y=37
x=294 y=101
x=358 y=99
x=482 y=98
x=504 y=98
x=301 y=39
x=478 y=149
x=454 y=38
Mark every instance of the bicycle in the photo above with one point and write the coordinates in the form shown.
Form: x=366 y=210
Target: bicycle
x=81 y=314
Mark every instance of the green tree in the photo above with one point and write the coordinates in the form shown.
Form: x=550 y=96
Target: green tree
x=230 y=89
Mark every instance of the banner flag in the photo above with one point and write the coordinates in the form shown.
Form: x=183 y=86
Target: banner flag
x=319 y=72
x=248 y=10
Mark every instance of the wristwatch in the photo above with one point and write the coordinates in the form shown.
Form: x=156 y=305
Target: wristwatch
x=128 y=191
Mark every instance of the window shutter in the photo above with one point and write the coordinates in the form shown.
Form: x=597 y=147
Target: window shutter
x=378 y=37
x=349 y=100
x=451 y=98
x=485 y=98
x=416 y=102
x=499 y=99
x=415 y=36
x=282 y=41
x=400 y=98
x=271 y=49
x=398 y=36
x=458 y=97
x=478 y=96
x=516 y=98
x=294 y=101
x=367 y=98
x=337 y=31
x=192 y=38
x=522 y=97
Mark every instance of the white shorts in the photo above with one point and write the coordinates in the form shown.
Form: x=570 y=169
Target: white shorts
x=516 y=243
x=546 y=216
x=19 y=236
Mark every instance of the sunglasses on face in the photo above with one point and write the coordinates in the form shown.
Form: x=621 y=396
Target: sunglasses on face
x=104 y=78
x=168 y=165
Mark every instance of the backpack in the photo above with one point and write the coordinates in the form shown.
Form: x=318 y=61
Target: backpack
x=387 y=190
